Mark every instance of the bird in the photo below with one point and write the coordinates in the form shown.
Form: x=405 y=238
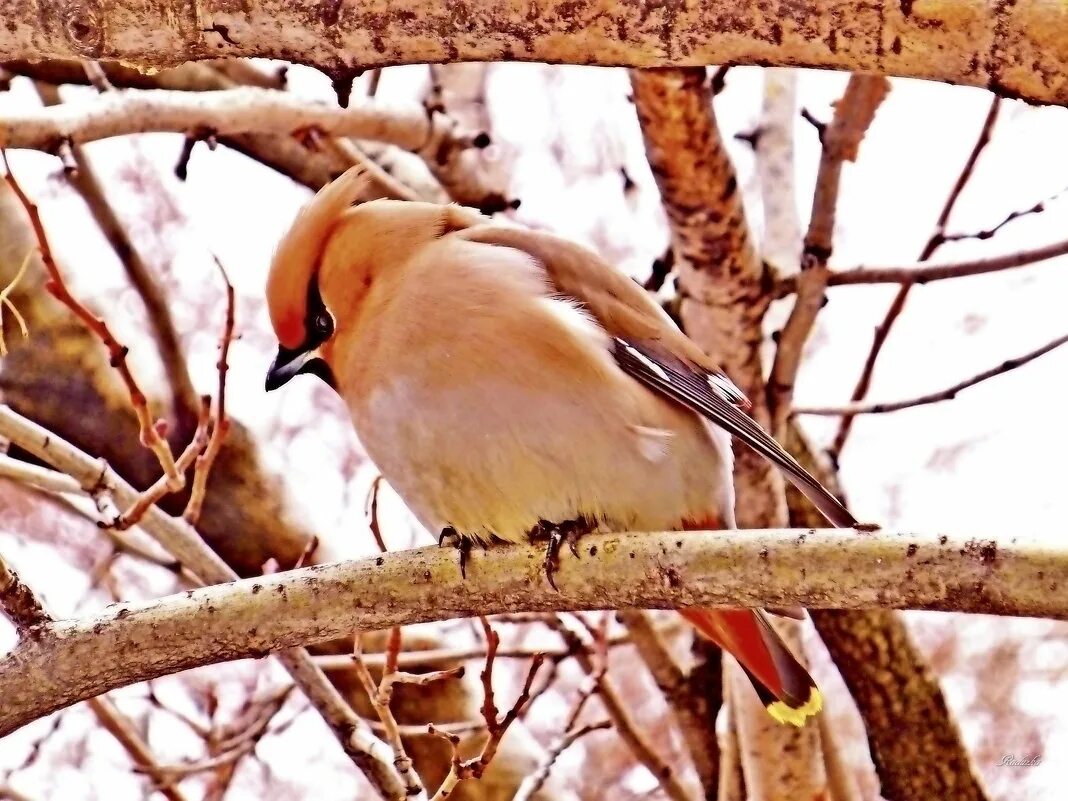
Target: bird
x=508 y=382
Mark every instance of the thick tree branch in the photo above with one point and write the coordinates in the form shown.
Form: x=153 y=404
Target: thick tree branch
x=75 y=659
x=1013 y=48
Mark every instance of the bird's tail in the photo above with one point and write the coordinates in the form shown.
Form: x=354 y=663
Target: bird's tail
x=781 y=682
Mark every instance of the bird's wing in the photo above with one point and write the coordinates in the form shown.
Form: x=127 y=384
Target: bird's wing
x=649 y=347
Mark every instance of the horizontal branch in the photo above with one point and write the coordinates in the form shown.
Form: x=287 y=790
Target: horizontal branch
x=71 y=660
x=1007 y=47
x=228 y=112
x=923 y=273
x=949 y=393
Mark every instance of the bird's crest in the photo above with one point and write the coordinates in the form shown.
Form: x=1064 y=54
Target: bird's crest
x=296 y=258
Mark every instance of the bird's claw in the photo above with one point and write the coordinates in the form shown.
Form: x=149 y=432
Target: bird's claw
x=552 y=554
x=569 y=531
x=462 y=544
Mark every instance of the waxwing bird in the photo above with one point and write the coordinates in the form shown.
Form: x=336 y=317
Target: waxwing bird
x=505 y=380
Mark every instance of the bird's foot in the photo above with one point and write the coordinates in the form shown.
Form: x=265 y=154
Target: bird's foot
x=460 y=543
x=557 y=534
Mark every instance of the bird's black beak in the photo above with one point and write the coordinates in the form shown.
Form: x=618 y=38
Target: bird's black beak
x=289 y=363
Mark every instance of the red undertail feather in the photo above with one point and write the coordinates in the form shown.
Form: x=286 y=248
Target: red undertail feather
x=781 y=682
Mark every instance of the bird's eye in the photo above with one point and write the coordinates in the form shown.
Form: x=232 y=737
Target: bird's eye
x=324 y=323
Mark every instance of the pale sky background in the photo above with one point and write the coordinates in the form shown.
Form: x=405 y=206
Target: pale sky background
x=986 y=464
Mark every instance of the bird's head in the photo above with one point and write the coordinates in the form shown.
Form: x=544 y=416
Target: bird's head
x=326 y=264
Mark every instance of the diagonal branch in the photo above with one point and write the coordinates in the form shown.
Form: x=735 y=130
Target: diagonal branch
x=922 y=274
x=897 y=305
x=935 y=397
x=86 y=182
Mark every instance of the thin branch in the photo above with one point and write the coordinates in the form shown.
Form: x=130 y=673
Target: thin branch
x=85 y=181
x=120 y=727
x=149 y=431
x=436 y=656
x=380 y=696
x=934 y=397
x=937 y=238
x=989 y=233
x=922 y=274
x=473 y=768
x=220 y=422
x=369 y=753
x=619 y=713
x=853 y=115
x=570 y=734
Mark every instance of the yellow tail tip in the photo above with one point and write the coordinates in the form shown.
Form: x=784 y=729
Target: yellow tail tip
x=797 y=716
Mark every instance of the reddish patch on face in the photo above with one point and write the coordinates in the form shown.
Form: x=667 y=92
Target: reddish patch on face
x=290 y=330
x=712 y=522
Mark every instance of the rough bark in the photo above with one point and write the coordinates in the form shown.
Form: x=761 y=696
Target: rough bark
x=1018 y=49
x=724 y=298
x=722 y=282
x=914 y=741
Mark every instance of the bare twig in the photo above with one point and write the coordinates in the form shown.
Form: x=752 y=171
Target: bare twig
x=7 y=303
x=162 y=486
x=922 y=274
x=381 y=695
x=369 y=753
x=473 y=768
x=571 y=732
x=618 y=712
x=934 y=397
x=220 y=422
x=19 y=602
x=988 y=233
x=85 y=181
x=120 y=727
x=841 y=140
x=937 y=238
x=150 y=432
